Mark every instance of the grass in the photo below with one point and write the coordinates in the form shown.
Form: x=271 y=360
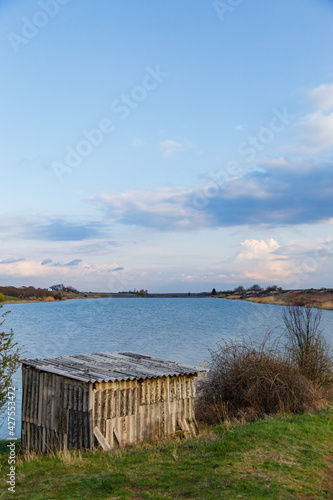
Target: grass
x=326 y=305
x=287 y=457
x=268 y=300
x=8 y=297
x=285 y=300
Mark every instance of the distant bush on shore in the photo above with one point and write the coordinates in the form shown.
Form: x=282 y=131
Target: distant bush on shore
x=248 y=380
x=29 y=293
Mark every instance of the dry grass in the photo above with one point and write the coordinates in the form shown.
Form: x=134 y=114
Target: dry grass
x=326 y=305
x=268 y=300
x=69 y=457
x=49 y=299
x=309 y=300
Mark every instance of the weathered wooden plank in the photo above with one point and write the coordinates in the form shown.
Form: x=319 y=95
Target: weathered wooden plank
x=123 y=402
x=65 y=442
x=142 y=392
x=101 y=439
x=40 y=399
x=56 y=403
x=86 y=438
x=172 y=392
x=117 y=403
x=70 y=397
x=135 y=405
x=111 y=409
x=65 y=396
x=50 y=397
x=29 y=388
x=97 y=408
x=24 y=393
x=36 y=404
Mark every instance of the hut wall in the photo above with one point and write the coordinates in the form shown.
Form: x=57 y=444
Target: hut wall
x=61 y=413
x=130 y=411
x=116 y=408
x=56 y=412
x=164 y=404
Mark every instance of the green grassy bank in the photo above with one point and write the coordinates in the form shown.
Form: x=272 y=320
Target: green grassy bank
x=279 y=458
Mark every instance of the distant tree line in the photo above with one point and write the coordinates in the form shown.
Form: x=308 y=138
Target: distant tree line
x=254 y=288
x=28 y=293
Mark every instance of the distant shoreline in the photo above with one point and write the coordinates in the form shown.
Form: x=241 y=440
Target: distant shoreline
x=102 y=295
x=320 y=299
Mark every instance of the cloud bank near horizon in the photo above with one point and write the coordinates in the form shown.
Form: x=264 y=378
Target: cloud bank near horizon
x=275 y=196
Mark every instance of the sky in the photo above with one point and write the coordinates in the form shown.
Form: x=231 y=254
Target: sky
x=170 y=146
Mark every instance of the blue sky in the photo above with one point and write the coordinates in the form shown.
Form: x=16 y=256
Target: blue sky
x=172 y=146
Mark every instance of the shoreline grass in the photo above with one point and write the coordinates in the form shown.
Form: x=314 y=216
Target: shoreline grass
x=278 y=301
x=285 y=457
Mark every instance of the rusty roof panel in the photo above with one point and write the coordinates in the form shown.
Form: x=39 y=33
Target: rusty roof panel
x=111 y=366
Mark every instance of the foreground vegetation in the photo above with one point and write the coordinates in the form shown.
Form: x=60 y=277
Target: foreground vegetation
x=290 y=373
x=284 y=457
x=10 y=361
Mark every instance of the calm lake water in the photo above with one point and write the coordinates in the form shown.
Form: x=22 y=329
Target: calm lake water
x=179 y=329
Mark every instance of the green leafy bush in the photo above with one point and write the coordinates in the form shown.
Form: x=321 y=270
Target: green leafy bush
x=10 y=360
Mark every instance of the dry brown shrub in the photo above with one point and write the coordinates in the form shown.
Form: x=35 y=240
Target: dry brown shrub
x=49 y=299
x=249 y=380
x=307 y=347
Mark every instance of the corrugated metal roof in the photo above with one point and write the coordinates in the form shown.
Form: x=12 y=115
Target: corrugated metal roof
x=111 y=366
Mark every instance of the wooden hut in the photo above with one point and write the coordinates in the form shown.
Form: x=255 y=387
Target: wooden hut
x=105 y=399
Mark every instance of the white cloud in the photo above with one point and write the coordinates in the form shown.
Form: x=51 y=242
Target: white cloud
x=294 y=264
x=322 y=96
x=259 y=197
x=162 y=208
x=246 y=187
x=33 y=272
x=316 y=132
x=172 y=147
x=257 y=249
x=258 y=261
x=276 y=162
x=137 y=142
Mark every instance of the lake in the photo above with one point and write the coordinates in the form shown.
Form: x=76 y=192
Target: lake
x=179 y=329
